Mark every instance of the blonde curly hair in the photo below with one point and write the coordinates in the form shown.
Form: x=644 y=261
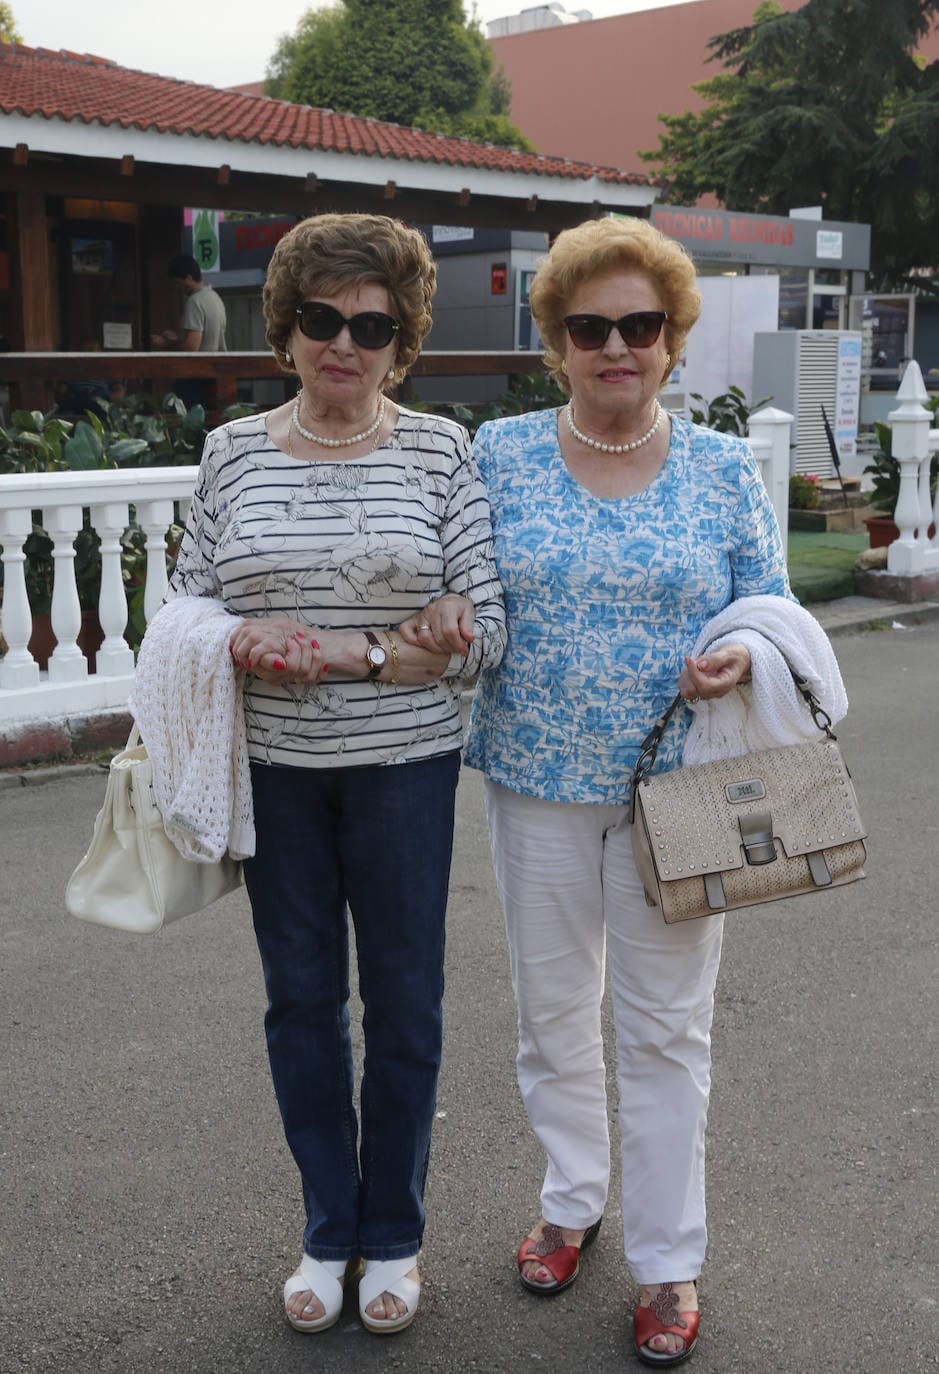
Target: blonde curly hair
x=328 y=253
x=607 y=245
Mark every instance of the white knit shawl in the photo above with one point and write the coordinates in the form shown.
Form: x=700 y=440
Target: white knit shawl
x=779 y=634
x=187 y=702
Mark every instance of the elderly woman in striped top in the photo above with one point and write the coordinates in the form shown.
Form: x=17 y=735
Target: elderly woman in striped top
x=322 y=525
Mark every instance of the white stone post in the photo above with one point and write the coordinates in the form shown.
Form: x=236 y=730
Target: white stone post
x=774 y=427
x=911 y=423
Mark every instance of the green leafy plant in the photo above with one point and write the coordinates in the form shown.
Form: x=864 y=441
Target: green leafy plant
x=527 y=391
x=730 y=412
x=803 y=492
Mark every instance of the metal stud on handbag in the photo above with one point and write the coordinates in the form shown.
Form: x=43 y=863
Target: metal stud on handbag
x=738 y=832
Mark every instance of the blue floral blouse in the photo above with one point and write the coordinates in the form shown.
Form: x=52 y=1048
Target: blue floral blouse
x=603 y=600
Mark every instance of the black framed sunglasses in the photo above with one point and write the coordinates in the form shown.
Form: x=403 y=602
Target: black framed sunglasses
x=370 y=329
x=639 y=330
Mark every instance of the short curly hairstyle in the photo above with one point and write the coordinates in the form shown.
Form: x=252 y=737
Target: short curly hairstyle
x=328 y=253
x=607 y=245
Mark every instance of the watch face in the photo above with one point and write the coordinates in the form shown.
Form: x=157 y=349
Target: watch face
x=376 y=656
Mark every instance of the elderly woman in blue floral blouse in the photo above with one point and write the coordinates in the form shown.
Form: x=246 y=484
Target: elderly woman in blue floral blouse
x=620 y=531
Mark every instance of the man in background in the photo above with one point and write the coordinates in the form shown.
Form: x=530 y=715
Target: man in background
x=203 y=321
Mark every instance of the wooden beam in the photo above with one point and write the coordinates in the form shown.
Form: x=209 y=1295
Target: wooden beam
x=391 y=188
x=224 y=174
x=21 y=155
x=464 y=197
x=127 y=165
x=33 y=270
x=171 y=186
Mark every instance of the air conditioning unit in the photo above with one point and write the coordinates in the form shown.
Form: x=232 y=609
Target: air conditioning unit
x=804 y=370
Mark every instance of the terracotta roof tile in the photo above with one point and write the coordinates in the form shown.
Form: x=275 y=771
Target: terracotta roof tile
x=80 y=87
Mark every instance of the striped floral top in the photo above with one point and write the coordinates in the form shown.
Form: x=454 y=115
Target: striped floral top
x=604 y=598
x=346 y=545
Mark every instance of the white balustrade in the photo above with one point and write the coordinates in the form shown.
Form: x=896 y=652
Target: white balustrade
x=61 y=498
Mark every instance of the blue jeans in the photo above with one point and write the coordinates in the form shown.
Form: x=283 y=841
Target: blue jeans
x=375 y=840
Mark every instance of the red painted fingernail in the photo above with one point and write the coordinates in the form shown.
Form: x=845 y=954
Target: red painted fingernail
x=248 y=663
x=325 y=668
x=314 y=643
x=279 y=663
x=299 y=635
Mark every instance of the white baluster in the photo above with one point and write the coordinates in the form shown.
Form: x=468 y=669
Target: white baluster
x=911 y=423
x=18 y=668
x=155 y=518
x=68 y=663
x=115 y=657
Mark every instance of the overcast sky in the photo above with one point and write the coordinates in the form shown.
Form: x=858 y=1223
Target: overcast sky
x=231 y=40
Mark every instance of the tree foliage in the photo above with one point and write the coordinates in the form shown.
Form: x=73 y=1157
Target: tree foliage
x=414 y=62
x=8 y=29
x=828 y=105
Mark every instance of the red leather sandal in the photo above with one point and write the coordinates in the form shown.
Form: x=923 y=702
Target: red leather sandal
x=646 y=1325
x=563 y=1261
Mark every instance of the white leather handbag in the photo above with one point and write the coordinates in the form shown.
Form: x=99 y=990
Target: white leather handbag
x=133 y=877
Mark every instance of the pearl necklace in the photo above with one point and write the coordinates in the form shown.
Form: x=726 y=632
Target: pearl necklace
x=312 y=438
x=614 y=448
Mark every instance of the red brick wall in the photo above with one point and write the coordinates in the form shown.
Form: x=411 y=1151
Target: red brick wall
x=593 y=91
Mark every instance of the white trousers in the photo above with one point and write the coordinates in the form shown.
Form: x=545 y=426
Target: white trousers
x=571 y=894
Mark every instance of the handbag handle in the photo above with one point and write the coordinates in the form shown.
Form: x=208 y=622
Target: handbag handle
x=650 y=745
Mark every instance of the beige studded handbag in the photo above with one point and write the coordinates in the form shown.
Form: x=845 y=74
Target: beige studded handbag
x=737 y=832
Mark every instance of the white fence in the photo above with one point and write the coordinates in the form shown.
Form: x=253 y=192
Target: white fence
x=67 y=687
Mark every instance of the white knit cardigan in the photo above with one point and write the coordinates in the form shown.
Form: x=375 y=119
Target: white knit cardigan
x=187 y=702
x=780 y=634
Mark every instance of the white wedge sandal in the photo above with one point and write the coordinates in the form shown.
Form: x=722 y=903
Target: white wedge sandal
x=389 y=1276
x=322 y=1278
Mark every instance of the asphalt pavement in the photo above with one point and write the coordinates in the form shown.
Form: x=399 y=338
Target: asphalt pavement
x=151 y=1211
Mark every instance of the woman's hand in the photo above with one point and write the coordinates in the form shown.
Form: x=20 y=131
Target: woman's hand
x=444 y=626
x=715 y=674
x=278 y=650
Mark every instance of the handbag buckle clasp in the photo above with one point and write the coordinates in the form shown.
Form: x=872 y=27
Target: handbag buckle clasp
x=756 y=831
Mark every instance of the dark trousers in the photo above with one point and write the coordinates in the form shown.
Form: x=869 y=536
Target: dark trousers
x=376 y=842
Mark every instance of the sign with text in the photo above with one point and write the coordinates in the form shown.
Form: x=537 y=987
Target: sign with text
x=774 y=240
x=848 y=394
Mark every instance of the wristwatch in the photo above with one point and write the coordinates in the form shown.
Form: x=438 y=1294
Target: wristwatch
x=375 y=655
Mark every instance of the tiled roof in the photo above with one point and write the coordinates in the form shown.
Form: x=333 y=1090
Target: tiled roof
x=78 y=87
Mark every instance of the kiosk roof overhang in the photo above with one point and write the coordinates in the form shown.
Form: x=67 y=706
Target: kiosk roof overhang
x=72 y=119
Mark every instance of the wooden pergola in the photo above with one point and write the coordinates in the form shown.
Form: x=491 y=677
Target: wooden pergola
x=80 y=131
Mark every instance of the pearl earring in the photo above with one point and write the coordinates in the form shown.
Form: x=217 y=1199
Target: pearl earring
x=287 y=356
x=391 y=374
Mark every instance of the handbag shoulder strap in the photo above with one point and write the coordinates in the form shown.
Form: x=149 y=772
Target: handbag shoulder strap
x=650 y=745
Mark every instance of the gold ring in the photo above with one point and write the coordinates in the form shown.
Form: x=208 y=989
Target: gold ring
x=692 y=700
x=422 y=627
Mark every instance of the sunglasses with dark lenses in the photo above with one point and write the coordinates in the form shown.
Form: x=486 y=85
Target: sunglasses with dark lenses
x=371 y=329
x=639 y=330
